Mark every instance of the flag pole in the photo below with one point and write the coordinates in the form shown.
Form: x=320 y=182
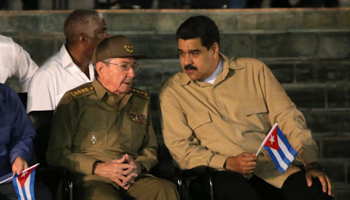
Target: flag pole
x=21 y=173
x=6 y=180
x=262 y=144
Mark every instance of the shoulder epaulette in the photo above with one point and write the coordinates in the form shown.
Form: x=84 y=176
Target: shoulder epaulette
x=140 y=93
x=82 y=91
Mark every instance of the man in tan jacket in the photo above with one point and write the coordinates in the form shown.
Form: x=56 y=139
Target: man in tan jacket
x=102 y=132
x=216 y=112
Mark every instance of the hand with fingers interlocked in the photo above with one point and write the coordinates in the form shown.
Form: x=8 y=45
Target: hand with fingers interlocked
x=122 y=171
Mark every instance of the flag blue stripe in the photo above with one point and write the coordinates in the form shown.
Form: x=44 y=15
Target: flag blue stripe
x=286 y=142
x=24 y=193
x=15 y=185
x=275 y=160
x=284 y=157
x=32 y=179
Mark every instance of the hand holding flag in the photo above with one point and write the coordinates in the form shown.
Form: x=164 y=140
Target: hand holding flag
x=280 y=150
x=24 y=183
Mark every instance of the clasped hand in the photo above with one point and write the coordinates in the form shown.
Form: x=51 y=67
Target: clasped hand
x=122 y=171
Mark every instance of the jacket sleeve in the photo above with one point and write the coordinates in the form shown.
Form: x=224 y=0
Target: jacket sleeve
x=64 y=126
x=291 y=121
x=178 y=136
x=22 y=132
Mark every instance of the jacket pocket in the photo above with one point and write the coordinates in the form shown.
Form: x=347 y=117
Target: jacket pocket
x=253 y=108
x=198 y=120
x=203 y=128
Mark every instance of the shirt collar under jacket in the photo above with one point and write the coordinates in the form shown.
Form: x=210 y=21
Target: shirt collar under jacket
x=211 y=79
x=104 y=95
x=228 y=64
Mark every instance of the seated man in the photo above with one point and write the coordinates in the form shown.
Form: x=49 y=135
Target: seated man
x=217 y=111
x=16 y=142
x=102 y=131
x=15 y=62
x=71 y=66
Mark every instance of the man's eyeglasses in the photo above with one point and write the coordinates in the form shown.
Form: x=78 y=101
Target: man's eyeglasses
x=125 y=67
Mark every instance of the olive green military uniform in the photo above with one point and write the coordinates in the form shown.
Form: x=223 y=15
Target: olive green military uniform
x=204 y=124
x=89 y=126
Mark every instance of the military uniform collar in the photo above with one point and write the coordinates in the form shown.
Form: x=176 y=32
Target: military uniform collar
x=183 y=79
x=100 y=90
x=104 y=95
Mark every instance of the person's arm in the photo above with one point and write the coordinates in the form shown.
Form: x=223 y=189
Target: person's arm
x=63 y=128
x=290 y=120
x=23 y=66
x=22 y=131
x=178 y=137
x=292 y=123
x=41 y=92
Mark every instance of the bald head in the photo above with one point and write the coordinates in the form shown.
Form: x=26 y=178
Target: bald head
x=81 y=21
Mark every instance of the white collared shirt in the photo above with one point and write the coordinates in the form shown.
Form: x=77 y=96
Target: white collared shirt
x=211 y=79
x=15 y=61
x=57 y=75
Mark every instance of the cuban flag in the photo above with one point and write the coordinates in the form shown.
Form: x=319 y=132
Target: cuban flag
x=24 y=183
x=280 y=150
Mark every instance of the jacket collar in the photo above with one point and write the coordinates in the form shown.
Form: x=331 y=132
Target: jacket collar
x=104 y=95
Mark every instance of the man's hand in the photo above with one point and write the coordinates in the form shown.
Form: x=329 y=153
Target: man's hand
x=19 y=165
x=122 y=171
x=243 y=163
x=132 y=172
x=116 y=170
x=317 y=172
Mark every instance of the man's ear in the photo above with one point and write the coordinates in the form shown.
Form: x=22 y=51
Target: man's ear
x=99 y=68
x=83 y=38
x=215 y=49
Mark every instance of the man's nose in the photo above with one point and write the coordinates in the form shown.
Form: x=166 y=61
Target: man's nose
x=188 y=59
x=131 y=73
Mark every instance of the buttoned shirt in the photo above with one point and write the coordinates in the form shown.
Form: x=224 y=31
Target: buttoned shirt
x=204 y=124
x=15 y=62
x=16 y=130
x=57 y=75
x=88 y=126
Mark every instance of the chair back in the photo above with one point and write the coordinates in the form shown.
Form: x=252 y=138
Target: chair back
x=42 y=124
x=23 y=97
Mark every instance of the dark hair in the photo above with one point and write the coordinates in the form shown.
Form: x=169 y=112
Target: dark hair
x=199 y=27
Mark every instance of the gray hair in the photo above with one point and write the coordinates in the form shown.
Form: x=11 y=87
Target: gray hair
x=106 y=61
x=81 y=21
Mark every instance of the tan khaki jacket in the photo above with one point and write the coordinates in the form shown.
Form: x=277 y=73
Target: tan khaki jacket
x=203 y=124
x=88 y=126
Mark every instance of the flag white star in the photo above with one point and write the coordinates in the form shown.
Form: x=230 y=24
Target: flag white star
x=272 y=139
x=23 y=174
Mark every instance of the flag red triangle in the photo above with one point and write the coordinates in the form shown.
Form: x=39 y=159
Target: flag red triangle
x=272 y=140
x=23 y=177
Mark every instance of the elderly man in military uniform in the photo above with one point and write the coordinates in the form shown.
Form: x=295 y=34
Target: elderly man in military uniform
x=102 y=131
